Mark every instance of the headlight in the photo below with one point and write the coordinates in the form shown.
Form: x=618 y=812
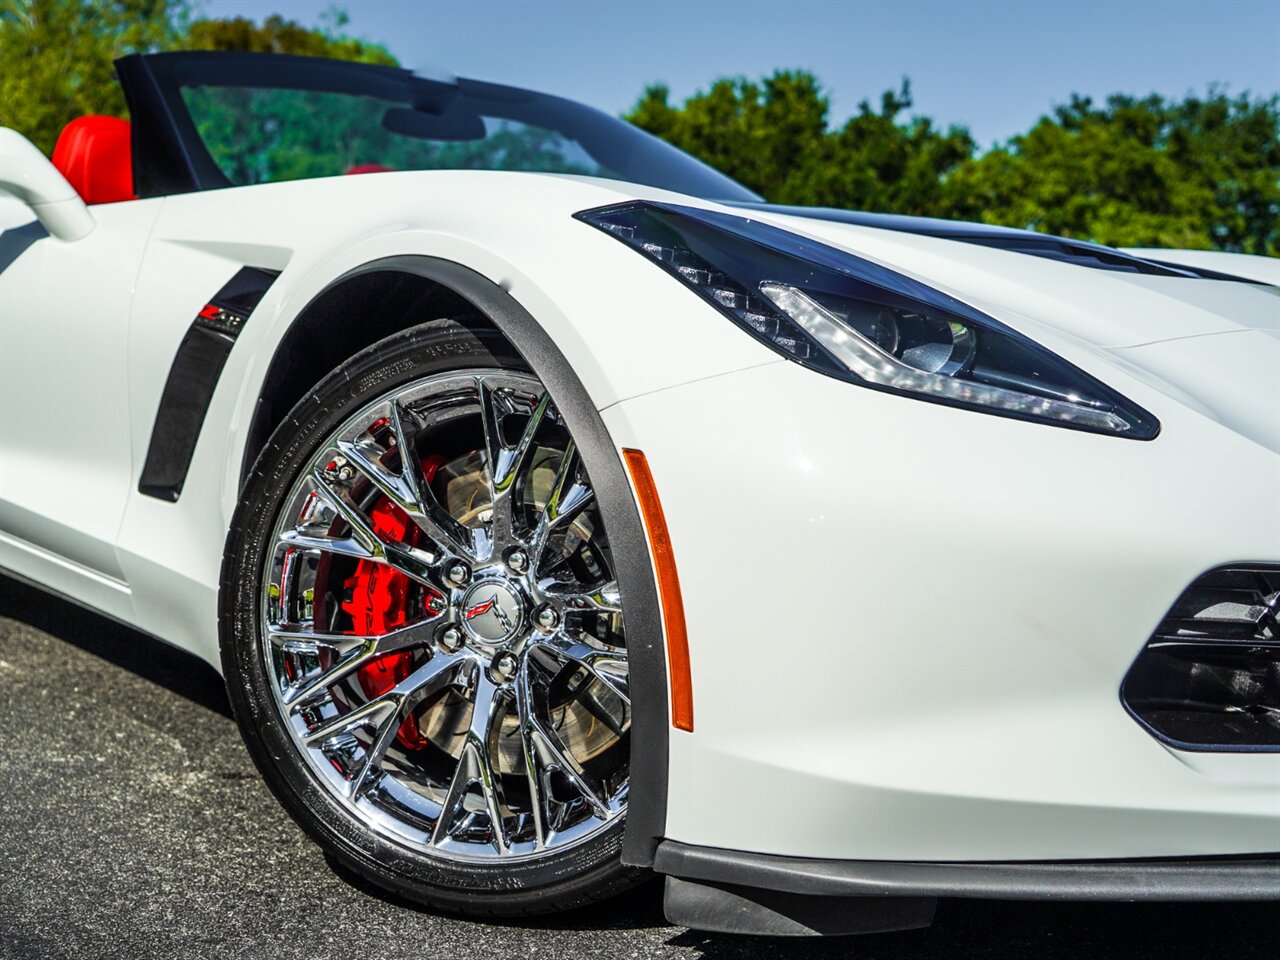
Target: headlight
x=850 y=318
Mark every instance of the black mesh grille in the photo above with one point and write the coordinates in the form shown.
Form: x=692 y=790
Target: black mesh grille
x=1209 y=678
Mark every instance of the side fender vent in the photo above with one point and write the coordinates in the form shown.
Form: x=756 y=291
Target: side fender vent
x=192 y=379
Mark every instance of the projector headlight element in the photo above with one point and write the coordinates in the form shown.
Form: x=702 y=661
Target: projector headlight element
x=856 y=320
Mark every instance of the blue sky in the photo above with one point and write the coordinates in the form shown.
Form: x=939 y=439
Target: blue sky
x=993 y=66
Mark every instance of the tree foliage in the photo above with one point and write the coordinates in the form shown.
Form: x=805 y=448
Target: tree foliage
x=1199 y=172
x=774 y=137
x=57 y=55
x=278 y=35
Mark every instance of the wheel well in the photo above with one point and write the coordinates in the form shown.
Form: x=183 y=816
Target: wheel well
x=348 y=316
x=401 y=291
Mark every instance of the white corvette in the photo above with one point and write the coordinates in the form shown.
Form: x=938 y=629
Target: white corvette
x=558 y=513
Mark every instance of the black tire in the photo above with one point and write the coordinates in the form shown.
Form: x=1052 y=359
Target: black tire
x=559 y=880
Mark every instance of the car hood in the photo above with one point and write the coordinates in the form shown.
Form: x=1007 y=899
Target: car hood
x=1210 y=344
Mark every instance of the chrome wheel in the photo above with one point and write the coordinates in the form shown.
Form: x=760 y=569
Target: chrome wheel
x=443 y=633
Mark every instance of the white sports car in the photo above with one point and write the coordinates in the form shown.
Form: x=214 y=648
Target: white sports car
x=557 y=512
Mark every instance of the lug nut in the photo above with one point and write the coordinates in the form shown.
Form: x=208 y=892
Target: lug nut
x=458 y=573
x=435 y=604
x=518 y=561
x=451 y=639
x=505 y=665
x=547 y=618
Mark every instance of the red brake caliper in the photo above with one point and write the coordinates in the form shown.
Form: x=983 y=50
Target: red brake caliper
x=378 y=602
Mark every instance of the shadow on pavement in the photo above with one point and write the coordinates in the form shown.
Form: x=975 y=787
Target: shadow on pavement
x=146 y=657
x=1044 y=931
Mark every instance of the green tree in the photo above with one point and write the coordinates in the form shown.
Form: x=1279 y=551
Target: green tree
x=57 y=57
x=759 y=134
x=278 y=35
x=1200 y=172
x=58 y=54
x=774 y=137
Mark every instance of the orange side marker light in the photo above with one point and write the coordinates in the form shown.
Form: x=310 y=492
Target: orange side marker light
x=668 y=589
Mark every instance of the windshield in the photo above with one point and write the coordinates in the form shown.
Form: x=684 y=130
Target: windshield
x=267 y=118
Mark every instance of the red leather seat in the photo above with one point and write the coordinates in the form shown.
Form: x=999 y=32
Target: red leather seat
x=95 y=154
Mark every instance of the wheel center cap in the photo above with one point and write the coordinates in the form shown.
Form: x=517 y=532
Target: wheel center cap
x=492 y=612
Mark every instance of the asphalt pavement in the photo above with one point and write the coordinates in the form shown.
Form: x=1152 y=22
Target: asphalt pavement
x=134 y=826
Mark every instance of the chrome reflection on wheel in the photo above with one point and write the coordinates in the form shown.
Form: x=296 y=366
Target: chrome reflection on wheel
x=443 y=630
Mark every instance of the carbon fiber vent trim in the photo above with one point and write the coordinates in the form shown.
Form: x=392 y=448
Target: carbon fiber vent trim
x=188 y=391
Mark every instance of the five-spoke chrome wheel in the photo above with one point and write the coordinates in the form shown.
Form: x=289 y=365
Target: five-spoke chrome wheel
x=443 y=631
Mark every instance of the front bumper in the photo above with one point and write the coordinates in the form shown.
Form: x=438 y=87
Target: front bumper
x=735 y=892
x=1190 y=879
x=909 y=623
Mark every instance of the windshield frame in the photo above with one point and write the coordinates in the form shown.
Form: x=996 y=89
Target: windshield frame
x=169 y=155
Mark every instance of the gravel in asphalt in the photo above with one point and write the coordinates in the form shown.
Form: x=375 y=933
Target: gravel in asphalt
x=134 y=826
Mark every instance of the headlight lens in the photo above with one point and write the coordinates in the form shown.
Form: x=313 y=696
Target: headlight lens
x=853 y=319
